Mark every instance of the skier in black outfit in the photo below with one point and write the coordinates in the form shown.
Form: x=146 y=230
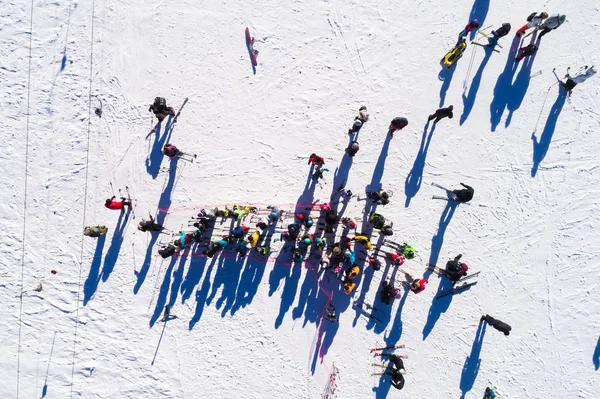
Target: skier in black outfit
x=455 y=270
x=497 y=324
x=442 y=113
x=167 y=252
x=359 y=121
x=149 y=225
x=397 y=372
x=502 y=31
x=379 y=197
x=160 y=109
x=352 y=149
x=397 y=123
x=388 y=293
x=465 y=194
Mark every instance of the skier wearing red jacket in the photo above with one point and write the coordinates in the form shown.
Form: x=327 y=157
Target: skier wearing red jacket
x=316 y=160
x=418 y=285
x=112 y=204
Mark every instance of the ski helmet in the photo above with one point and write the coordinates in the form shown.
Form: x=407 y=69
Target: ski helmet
x=317 y=241
x=544 y=15
x=464 y=266
x=309 y=222
x=347 y=255
x=306 y=240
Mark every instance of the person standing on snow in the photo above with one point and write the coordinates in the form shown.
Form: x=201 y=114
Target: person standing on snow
x=319 y=174
x=418 y=285
x=474 y=24
x=497 y=324
x=463 y=195
x=397 y=123
x=239 y=232
x=388 y=293
x=581 y=77
x=553 y=22
x=242 y=248
x=171 y=151
x=534 y=20
x=456 y=270
x=526 y=51
x=359 y=121
x=397 y=371
x=352 y=149
x=441 y=113
x=168 y=251
x=149 y=225
x=364 y=240
x=160 y=109
x=316 y=160
x=112 y=204
x=502 y=31
x=274 y=215
x=95 y=231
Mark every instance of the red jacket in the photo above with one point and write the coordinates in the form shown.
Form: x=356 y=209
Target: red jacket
x=316 y=160
x=114 y=204
x=422 y=283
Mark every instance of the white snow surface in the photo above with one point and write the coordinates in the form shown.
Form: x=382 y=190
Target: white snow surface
x=254 y=328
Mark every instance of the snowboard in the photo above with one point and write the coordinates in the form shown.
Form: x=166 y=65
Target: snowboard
x=250 y=44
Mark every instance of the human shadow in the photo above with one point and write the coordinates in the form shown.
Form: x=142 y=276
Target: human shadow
x=308 y=295
x=161 y=301
x=252 y=275
x=289 y=291
x=472 y=362
x=112 y=254
x=392 y=338
x=201 y=295
x=227 y=275
x=438 y=306
x=340 y=178
x=413 y=181
x=194 y=273
x=519 y=87
x=155 y=158
x=596 y=355
x=91 y=283
x=377 y=176
x=540 y=148
x=479 y=11
x=326 y=330
x=503 y=86
x=445 y=76
x=469 y=99
x=438 y=238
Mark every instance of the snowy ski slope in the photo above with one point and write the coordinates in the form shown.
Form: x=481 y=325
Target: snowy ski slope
x=254 y=328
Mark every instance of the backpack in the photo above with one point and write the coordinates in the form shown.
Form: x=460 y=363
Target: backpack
x=387 y=231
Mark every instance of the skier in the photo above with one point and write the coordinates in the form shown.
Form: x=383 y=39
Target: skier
x=553 y=22
x=112 y=204
x=242 y=248
x=197 y=235
x=331 y=220
x=364 y=240
x=349 y=258
x=263 y=250
x=349 y=287
x=418 y=285
x=149 y=225
x=352 y=149
x=502 y=31
x=348 y=223
x=377 y=220
x=388 y=293
x=387 y=230
x=441 y=113
x=398 y=123
x=336 y=256
x=330 y=314
x=534 y=20
x=462 y=195
x=239 y=232
x=95 y=231
x=215 y=246
x=374 y=262
x=474 y=24
x=379 y=197
x=184 y=239
x=352 y=272
x=253 y=239
x=171 y=151
x=397 y=371
x=497 y=324
x=489 y=393
x=160 y=109
x=238 y=213
x=168 y=251
x=275 y=214
x=363 y=116
x=316 y=160
x=526 y=51
x=455 y=270
x=581 y=77
x=396 y=258
x=321 y=243
x=319 y=174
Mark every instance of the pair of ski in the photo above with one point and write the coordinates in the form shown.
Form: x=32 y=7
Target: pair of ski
x=172 y=123
x=489 y=45
x=362 y=310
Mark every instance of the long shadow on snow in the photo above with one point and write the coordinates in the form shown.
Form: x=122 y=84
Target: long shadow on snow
x=252 y=275
x=479 y=11
x=503 y=87
x=472 y=362
x=395 y=333
x=227 y=275
x=596 y=356
x=519 y=87
x=540 y=148
x=438 y=306
x=413 y=181
x=112 y=254
x=164 y=203
x=202 y=294
x=438 y=239
x=445 y=76
x=161 y=301
x=469 y=99
x=326 y=330
x=91 y=283
x=192 y=278
x=155 y=158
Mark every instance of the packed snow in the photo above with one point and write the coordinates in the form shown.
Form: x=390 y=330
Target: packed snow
x=255 y=327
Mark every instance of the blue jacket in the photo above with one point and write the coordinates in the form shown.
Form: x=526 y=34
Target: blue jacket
x=349 y=260
x=275 y=213
x=238 y=232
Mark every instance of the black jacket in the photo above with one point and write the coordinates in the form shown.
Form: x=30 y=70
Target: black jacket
x=464 y=195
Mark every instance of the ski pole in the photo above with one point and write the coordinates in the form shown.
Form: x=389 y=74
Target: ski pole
x=39 y=287
x=112 y=189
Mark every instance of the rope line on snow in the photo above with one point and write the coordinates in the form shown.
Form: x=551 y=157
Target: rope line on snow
x=87 y=161
x=25 y=199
